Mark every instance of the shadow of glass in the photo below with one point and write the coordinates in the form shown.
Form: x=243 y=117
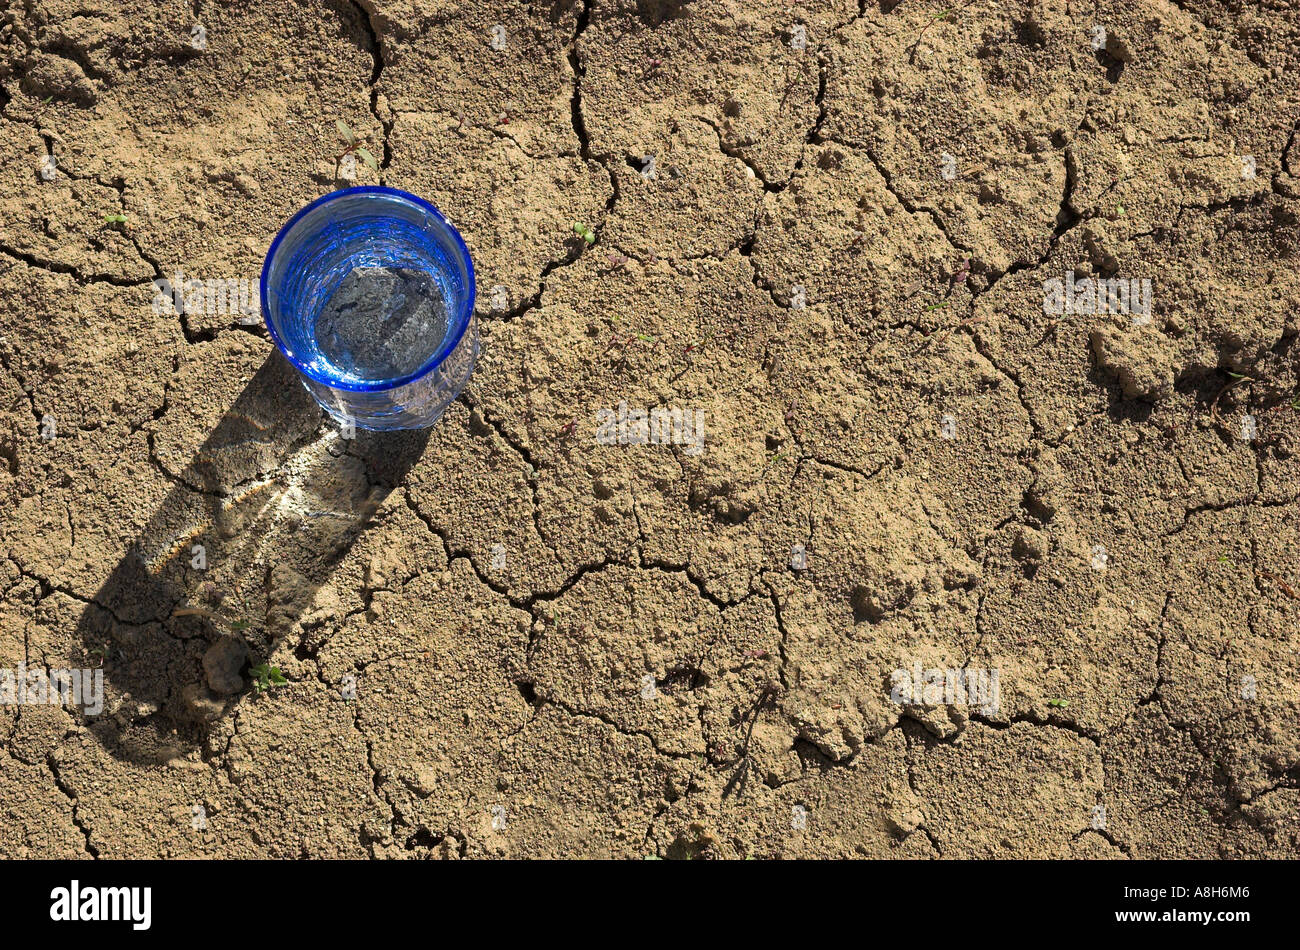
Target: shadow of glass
x=257 y=521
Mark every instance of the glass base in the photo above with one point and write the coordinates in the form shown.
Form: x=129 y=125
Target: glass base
x=417 y=405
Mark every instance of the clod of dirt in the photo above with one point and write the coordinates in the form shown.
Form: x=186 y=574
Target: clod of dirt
x=1142 y=363
x=199 y=705
x=880 y=595
x=222 y=664
x=890 y=550
x=1030 y=546
x=55 y=76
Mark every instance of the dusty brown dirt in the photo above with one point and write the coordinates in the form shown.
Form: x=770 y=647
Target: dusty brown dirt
x=501 y=587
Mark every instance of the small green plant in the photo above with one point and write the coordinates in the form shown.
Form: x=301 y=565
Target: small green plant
x=264 y=677
x=115 y=219
x=937 y=306
x=353 y=146
x=772 y=459
x=584 y=232
x=944 y=15
x=1058 y=703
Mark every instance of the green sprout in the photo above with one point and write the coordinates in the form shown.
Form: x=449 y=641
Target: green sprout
x=264 y=677
x=584 y=232
x=937 y=306
x=353 y=147
x=1058 y=703
x=115 y=219
x=944 y=15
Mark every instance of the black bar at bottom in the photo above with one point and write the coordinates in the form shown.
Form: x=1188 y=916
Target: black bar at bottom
x=286 y=900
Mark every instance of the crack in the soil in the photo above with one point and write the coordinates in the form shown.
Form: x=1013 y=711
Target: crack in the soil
x=1048 y=723
x=907 y=204
x=76 y=805
x=1066 y=219
x=783 y=644
x=377 y=70
x=578 y=120
x=1108 y=837
x=475 y=406
x=909 y=765
x=619 y=728
x=56 y=267
x=604 y=160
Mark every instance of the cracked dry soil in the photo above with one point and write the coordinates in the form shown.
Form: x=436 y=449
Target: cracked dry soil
x=564 y=648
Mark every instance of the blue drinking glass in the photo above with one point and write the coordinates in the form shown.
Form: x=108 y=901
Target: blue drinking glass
x=332 y=247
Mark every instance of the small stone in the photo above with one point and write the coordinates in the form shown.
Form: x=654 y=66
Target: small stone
x=426 y=782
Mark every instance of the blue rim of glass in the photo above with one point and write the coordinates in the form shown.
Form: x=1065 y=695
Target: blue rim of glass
x=448 y=346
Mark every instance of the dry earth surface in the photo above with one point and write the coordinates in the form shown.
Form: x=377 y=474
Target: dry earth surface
x=565 y=648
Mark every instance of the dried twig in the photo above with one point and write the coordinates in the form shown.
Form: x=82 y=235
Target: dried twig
x=1282 y=585
x=1237 y=379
